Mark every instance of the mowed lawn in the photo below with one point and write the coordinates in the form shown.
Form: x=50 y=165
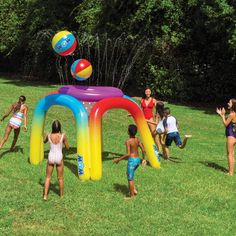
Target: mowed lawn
x=190 y=195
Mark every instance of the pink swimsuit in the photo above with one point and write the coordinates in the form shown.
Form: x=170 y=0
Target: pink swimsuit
x=55 y=154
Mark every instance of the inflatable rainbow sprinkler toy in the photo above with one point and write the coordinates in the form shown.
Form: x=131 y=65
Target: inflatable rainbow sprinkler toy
x=88 y=130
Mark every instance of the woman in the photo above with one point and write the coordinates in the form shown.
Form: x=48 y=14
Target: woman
x=230 y=132
x=147 y=104
x=19 y=110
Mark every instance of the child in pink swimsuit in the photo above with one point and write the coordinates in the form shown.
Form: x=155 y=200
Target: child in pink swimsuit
x=56 y=140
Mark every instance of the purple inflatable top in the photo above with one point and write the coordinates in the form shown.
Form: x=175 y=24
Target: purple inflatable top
x=90 y=93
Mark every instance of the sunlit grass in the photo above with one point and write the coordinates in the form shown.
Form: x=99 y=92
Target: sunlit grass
x=189 y=195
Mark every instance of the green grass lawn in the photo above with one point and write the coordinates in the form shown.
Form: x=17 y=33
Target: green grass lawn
x=190 y=195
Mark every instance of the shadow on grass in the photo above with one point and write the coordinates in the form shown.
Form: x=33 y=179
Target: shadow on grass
x=16 y=149
x=175 y=160
x=53 y=187
x=121 y=188
x=214 y=166
x=73 y=168
x=106 y=154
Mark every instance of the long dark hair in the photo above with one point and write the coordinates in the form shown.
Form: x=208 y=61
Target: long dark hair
x=56 y=127
x=233 y=108
x=160 y=109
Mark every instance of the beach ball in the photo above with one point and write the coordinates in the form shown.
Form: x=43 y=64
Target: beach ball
x=81 y=69
x=64 y=43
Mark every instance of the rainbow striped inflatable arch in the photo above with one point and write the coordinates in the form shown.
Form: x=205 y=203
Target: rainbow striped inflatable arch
x=88 y=131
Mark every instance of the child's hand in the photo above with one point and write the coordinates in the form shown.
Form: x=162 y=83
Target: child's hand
x=116 y=160
x=144 y=162
x=3 y=118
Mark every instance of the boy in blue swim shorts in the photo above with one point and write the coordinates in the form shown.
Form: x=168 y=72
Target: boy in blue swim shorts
x=172 y=134
x=132 y=145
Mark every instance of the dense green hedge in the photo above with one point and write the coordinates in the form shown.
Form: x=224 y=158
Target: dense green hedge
x=183 y=50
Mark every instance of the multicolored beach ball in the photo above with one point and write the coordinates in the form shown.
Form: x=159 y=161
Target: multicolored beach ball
x=64 y=43
x=81 y=69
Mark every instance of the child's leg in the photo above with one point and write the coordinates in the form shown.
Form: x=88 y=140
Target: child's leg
x=167 y=152
x=60 y=170
x=16 y=134
x=162 y=142
x=132 y=188
x=5 y=137
x=157 y=142
x=186 y=137
x=49 y=171
x=230 y=151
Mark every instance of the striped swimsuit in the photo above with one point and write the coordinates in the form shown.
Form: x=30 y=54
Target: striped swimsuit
x=16 y=120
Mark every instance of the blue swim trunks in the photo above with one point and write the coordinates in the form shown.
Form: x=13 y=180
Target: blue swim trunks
x=133 y=164
x=173 y=136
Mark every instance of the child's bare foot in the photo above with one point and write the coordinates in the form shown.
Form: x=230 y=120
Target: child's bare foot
x=135 y=192
x=188 y=136
x=129 y=197
x=229 y=174
x=45 y=197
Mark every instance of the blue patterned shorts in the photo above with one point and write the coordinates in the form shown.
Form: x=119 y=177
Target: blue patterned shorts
x=133 y=164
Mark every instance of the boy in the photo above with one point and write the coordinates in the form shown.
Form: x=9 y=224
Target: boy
x=132 y=145
x=171 y=129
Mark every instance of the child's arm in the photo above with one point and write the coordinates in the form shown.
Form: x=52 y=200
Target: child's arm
x=116 y=160
x=144 y=162
x=45 y=139
x=151 y=122
x=177 y=124
x=8 y=113
x=221 y=112
x=142 y=148
x=25 y=118
x=66 y=142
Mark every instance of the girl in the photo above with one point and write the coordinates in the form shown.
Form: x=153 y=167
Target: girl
x=158 y=133
x=55 y=157
x=19 y=110
x=230 y=132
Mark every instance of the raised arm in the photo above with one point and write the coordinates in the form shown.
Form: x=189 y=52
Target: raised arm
x=221 y=112
x=8 y=112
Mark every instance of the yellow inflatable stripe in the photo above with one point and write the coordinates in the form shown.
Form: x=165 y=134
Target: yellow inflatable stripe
x=85 y=73
x=58 y=36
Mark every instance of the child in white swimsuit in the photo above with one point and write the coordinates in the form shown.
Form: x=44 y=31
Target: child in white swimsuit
x=55 y=157
x=55 y=154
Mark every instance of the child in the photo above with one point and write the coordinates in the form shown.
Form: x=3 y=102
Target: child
x=230 y=132
x=171 y=129
x=132 y=145
x=19 y=110
x=55 y=157
x=158 y=133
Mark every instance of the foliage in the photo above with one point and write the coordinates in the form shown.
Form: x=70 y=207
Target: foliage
x=190 y=45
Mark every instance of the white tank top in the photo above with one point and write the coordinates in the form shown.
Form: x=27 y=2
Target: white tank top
x=55 y=154
x=171 y=124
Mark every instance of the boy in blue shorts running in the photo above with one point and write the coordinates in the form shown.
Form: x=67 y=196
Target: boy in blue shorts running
x=132 y=145
x=172 y=134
